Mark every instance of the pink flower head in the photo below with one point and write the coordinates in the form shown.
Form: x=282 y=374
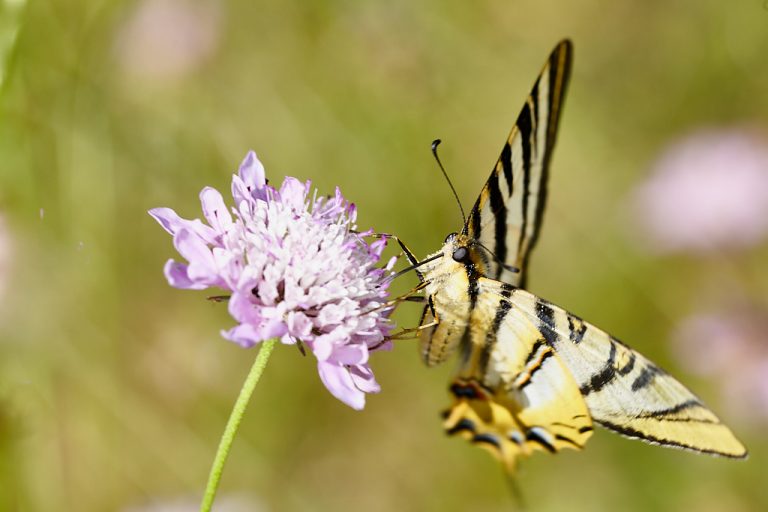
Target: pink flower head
x=708 y=191
x=296 y=269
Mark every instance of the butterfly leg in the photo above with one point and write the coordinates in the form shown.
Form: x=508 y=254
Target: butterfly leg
x=406 y=297
x=408 y=253
x=400 y=334
x=409 y=295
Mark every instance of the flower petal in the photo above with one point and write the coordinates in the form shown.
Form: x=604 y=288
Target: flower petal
x=324 y=345
x=350 y=354
x=167 y=218
x=331 y=314
x=243 y=309
x=273 y=328
x=176 y=274
x=251 y=173
x=362 y=376
x=215 y=210
x=298 y=324
x=293 y=192
x=172 y=223
x=267 y=292
x=339 y=382
x=202 y=267
x=230 y=266
x=244 y=335
x=244 y=201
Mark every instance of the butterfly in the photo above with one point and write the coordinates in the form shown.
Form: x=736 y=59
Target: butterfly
x=532 y=376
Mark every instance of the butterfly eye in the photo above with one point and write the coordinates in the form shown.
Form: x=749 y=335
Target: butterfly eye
x=460 y=254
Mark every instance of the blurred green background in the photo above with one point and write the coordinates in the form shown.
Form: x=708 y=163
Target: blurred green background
x=114 y=387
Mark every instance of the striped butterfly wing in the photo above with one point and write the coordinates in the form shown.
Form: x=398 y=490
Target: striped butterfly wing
x=513 y=395
x=507 y=215
x=624 y=391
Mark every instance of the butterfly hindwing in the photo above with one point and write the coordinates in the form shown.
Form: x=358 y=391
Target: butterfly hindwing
x=624 y=391
x=512 y=393
x=507 y=215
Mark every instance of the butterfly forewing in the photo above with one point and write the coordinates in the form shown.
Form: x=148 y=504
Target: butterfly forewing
x=507 y=215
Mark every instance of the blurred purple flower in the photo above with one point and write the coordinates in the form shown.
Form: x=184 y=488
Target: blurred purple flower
x=164 y=40
x=707 y=191
x=733 y=348
x=296 y=269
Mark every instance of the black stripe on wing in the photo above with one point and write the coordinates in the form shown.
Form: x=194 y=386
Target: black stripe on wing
x=560 y=62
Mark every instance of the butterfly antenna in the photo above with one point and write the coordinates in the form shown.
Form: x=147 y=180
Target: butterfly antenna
x=510 y=268
x=436 y=143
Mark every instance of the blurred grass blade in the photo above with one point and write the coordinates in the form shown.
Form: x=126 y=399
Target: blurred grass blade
x=10 y=22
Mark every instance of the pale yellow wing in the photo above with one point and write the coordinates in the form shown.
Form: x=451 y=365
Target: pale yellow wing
x=512 y=393
x=508 y=213
x=624 y=391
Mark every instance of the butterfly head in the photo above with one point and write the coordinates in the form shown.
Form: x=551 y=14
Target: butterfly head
x=462 y=251
x=457 y=255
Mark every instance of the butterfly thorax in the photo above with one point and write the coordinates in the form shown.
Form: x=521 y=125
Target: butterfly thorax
x=451 y=290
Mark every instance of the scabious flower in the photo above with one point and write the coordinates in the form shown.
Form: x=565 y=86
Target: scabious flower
x=708 y=191
x=297 y=270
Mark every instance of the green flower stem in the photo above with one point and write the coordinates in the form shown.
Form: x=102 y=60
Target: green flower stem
x=233 y=423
